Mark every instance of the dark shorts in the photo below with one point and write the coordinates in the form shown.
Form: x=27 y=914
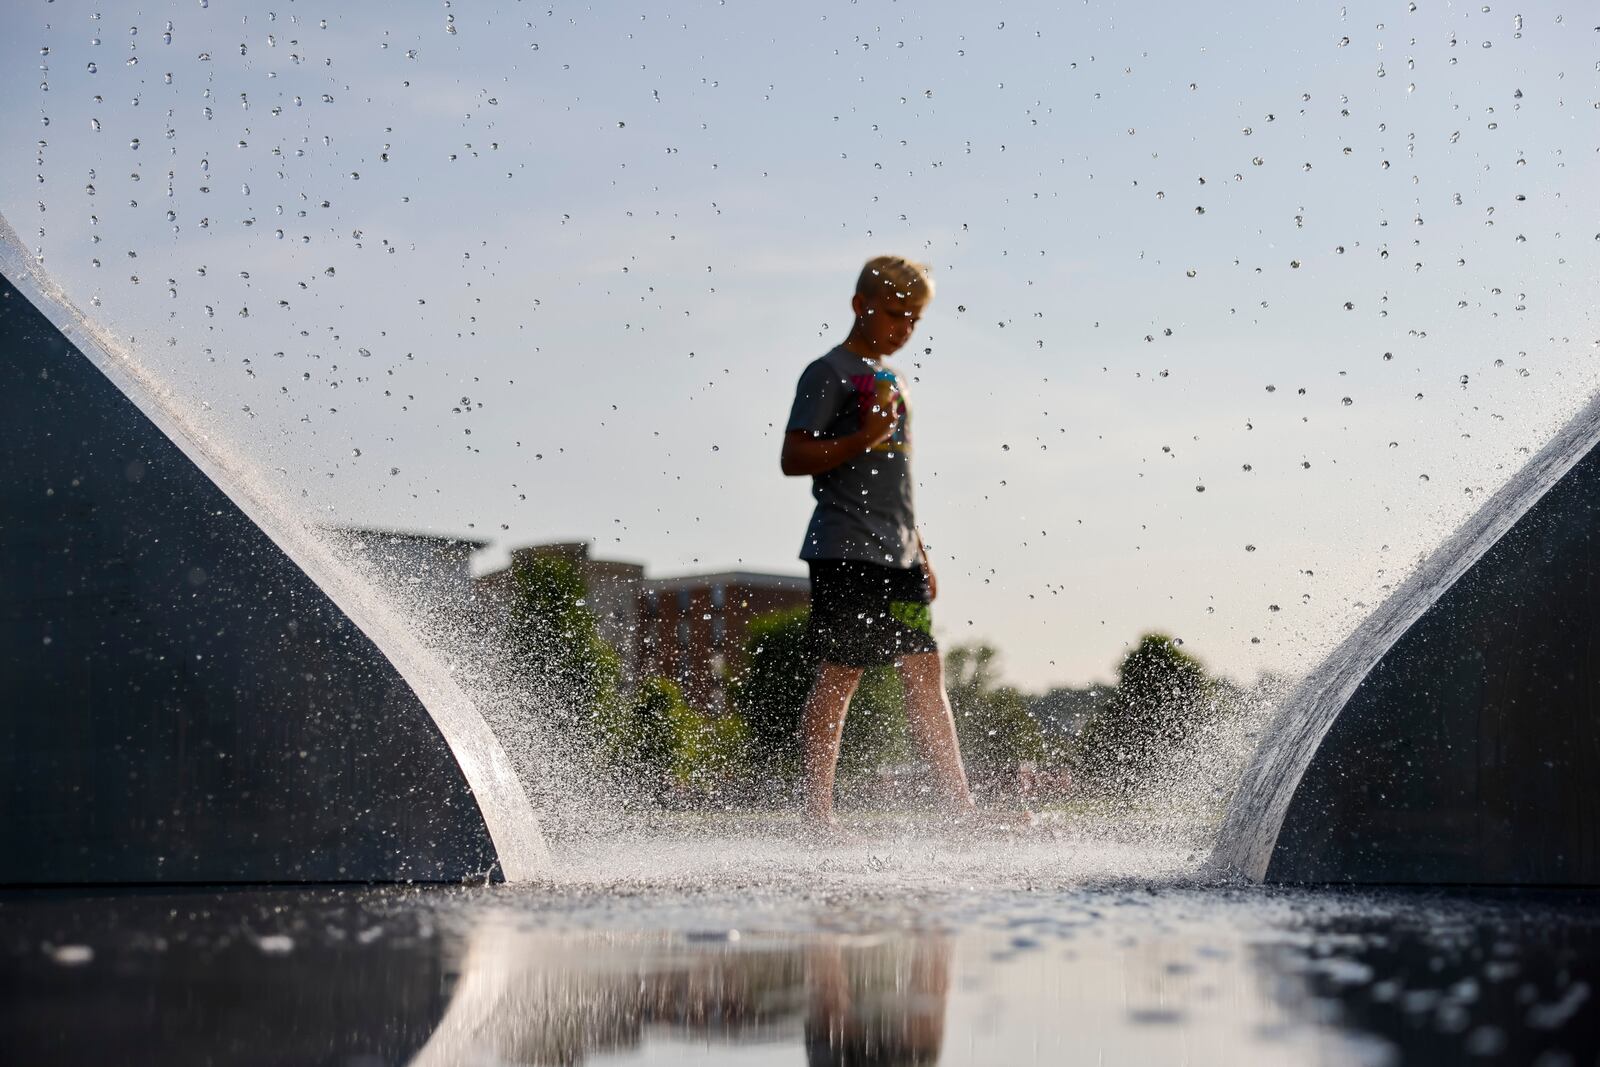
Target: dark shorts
x=869 y=615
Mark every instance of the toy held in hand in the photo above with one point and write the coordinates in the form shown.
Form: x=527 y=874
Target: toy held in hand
x=879 y=393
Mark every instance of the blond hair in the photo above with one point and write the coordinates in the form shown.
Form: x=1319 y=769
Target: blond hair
x=895 y=276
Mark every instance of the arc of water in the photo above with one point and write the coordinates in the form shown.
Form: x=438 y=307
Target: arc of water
x=507 y=814
x=1256 y=814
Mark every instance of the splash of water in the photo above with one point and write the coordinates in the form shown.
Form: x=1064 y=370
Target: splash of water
x=504 y=805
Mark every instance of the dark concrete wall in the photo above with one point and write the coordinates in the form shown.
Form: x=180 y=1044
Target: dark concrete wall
x=180 y=702
x=1471 y=752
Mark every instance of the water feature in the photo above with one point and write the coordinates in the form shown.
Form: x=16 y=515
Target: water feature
x=243 y=728
x=1444 y=740
x=458 y=272
x=818 y=969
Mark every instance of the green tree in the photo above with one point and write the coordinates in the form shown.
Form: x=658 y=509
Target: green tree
x=660 y=719
x=717 y=754
x=562 y=653
x=1162 y=695
x=675 y=746
x=875 y=730
x=996 y=729
x=771 y=691
x=772 y=688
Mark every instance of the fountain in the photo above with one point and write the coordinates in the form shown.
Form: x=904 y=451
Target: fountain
x=1240 y=316
x=203 y=686
x=1451 y=737
x=197 y=692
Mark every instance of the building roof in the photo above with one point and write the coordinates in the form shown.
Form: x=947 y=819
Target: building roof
x=749 y=579
x=576 y=551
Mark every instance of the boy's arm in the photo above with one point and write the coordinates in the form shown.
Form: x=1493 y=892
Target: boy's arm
x=804 y=453
x=927 y=569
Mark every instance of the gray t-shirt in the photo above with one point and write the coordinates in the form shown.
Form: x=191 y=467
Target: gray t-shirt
x=864 y=504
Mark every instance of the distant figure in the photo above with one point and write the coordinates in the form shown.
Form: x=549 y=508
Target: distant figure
x=871 y=583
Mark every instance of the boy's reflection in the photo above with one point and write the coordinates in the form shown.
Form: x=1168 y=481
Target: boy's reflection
x=878 y=1005
x=543 y=999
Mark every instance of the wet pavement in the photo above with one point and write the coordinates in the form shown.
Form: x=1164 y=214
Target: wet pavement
x=851 y=964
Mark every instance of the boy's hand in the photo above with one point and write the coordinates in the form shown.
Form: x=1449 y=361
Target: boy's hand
x=927 y=569
x=877 y=423
x=805 y=454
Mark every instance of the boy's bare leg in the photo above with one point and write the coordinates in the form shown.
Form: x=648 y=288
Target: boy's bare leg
x=821 y=727
x=933 y=725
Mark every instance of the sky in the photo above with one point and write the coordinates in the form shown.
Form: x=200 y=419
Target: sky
x=1237 y=314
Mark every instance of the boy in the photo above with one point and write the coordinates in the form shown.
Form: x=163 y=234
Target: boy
x=871 y=585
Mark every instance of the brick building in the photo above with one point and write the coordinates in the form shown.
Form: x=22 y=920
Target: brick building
x=692 y=628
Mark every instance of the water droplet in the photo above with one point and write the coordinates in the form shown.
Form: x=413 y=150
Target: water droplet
x=272 y=944
x=71 y=955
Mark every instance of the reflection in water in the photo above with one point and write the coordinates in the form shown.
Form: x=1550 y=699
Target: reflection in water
x=881 y=1005
x=1073 y=975
x=1456 y=979
x=550 y=998
x=244 y=979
